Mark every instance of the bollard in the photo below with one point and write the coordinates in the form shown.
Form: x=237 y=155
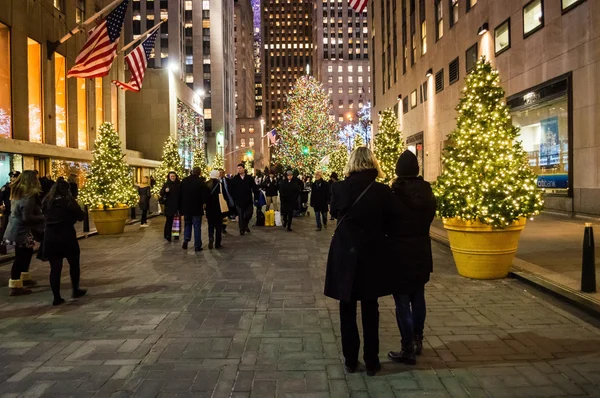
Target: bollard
x=133 y=213
x=588 y=264
x=86 y=219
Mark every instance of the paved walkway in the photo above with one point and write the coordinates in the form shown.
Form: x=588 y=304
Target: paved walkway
x=251 y=321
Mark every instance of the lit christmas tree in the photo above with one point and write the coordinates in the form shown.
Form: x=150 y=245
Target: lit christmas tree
x=171 y=161
x=199 y=160
x=109 y=182
x=486 y=174
x=306 y=133
x=358 y=142
x=218 y=162
x=338 y=160
x=389 y=144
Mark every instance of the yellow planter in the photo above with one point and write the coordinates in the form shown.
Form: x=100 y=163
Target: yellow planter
x=481 y=251
x=110 y=221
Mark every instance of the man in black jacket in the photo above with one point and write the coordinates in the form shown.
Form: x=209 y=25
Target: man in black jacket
x=243 y=189
x=271 y=191
x=194 y=195
x=319 y=199
x=290 y=192
x=5 y=206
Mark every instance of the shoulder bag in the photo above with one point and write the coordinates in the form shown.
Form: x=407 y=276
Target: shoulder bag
x=353 y=204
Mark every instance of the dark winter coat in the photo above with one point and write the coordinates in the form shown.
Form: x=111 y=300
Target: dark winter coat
x=74 y=189
x=416 y=206
x=242 y=190
x=271 y=187
x=172 y=197
x=319 y=197
x=213 y=207
x=25 y=218
x=60 y=237
x=289 y=191
x=194 y=194
x=145 y=195
x=6 y=198
x=357 y=265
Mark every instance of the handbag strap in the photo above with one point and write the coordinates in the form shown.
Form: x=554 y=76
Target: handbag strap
x=215 y=188
x=353 y=204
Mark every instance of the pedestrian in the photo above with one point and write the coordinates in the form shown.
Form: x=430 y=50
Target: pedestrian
x=225 y=182
x=5 y=206
x=243 y=190
x=73 y=187
x=333 y=178
x=289 y=190
x=194 y=194
x=25 y=222
x=169 y=196
x=46 y=183
x=356 y=270
x=214 y=213
x=144 y=190
x=416 y=207
x=319 y=199
x=271 y=192
x=61 y=212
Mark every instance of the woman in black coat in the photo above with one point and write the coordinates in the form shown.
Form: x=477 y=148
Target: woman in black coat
x=319 y=199
x=144 y=190
x=416 y=206
x=61 y=212
x=214 y=215
x=355 y=271
x=289 y=191
x=170 y=197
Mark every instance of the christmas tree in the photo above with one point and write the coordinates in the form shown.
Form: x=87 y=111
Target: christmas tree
x=389 y=144
x=358 y=142
x=199 y=160
x=306 y=133
x=109 y=182
x=171 y=161
x=218 y=162
x=338 y=160
x=486 y=174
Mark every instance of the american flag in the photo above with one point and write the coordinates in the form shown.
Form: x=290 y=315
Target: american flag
x=273 y=137
x=137 y=61
x=358 y=5
x=100 y=50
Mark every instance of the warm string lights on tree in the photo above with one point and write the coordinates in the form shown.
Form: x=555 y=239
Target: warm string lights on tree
x=338 y=159
x=199 y=160
x=389 y=144
x=218 y=162
x=486 y=174
x=171 y=161
x=306 y=133
x=109 y=182
x=358 y=142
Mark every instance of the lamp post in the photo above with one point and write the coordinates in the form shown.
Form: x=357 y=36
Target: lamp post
x=265 y=140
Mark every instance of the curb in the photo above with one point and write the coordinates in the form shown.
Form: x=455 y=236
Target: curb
x=582 y=301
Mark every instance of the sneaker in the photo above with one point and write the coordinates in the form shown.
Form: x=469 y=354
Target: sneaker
x=144 y=225
x=403 y=356
x=58 y=301
x=29 y=283
x=185 y=245
x=19 y=291
x=77 y=293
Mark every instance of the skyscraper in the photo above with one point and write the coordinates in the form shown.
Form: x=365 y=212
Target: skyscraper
x=287 y=52
x=341 y=55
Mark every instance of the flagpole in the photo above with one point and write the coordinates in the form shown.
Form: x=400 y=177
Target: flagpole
x=52 y=45
x=146 y=33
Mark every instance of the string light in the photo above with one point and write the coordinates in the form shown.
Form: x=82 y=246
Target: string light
x=218 y=162
x=171 y=161
x=389 y=144
x=337 y=161
x=199 y=160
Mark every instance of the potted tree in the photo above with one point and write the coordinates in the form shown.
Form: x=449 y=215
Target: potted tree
x=108 y=190
x=486 y=190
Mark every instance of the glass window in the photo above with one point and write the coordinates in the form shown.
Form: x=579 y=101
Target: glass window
x=423 y=38
x=82 y=115
x=60 y=90
x=330 y=68
x=251 y=141
x=471 y=58
x=59 y=5
x=99 y=109
x=567 y=5
x=114 y=108
x=243 y=142
x=340 y=68
x=350 y=79
x=340 y=90
x=5 y=86
x=502 y=37
x=329 y=79
x=413 y=99
x=533 y=17
x=350 y=68
x=34 y=88
x=80 y=11
x=251 y=129
x=439 y=18
x=470 y=4
x=340 y=79
x=453 y=12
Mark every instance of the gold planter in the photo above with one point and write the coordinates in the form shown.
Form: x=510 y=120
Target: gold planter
x=481 y=251
x=110 y=221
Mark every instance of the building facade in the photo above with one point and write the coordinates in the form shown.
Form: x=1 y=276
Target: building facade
x=287 y=52
x=48 y=122
x=548 y=57
x=341 y=57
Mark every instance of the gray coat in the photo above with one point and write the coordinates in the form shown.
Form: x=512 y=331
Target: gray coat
x=25 y=218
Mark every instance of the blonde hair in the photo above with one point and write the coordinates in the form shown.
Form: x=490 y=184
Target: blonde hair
x=361 y=159
x=26 y=184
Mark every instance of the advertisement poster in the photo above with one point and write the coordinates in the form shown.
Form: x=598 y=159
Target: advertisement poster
x=549 y=143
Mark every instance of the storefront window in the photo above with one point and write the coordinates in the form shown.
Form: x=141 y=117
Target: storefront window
x=533 y=17
x=60 y=87
x=114 y=106
x=5 y=95
x=543 y=119
x=81 y=115
x=34 y=87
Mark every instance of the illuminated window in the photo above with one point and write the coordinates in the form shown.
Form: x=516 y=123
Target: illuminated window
x=99 y=109
x=82 y=115
x=423 y=38
x=470 y=4
x=114 y=106
x=340 y=90
x=453 y=12
x=567 y=5
x=80 y=11
x=60 y=90
x=251 y=141
x=340 y=79
x=330 y=68
x=243 y=142
x=533 y=17
x=59 y=5
x=251 y=130
x=5 y=95
x=34 y=88
x=502 y=37
x=439 y=18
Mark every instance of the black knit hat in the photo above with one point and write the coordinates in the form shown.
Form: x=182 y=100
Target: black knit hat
x=407 y=165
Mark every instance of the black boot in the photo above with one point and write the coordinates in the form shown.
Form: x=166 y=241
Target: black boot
x=406 y=355
x=418 y=344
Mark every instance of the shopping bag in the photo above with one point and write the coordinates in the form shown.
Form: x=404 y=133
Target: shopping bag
x=278 y=219
x=176 y=227
x=223 y=203
x=268 y=218
x=262 y=201
x=271 y=218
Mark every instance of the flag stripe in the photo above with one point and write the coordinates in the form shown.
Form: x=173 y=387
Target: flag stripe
x=137 y=62
x=358 y=5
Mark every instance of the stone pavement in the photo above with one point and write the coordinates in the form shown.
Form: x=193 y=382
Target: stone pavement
x=251 y=321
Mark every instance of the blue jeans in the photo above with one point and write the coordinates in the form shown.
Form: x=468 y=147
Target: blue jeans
x=318 y=215
x=196 y=221
x=410 y=314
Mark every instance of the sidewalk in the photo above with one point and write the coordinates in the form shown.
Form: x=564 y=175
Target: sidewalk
x=549 y=254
